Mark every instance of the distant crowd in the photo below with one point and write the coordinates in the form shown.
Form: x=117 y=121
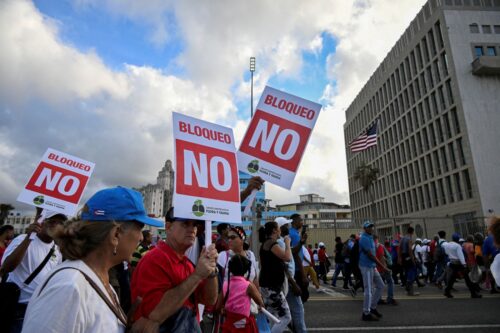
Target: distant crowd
x=104 y=273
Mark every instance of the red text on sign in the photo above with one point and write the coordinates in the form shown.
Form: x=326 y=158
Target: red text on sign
x=69 y=162
x=275 y=140
x=57 y=182
x=206 y=172
x=290 y=107
x=204 y=132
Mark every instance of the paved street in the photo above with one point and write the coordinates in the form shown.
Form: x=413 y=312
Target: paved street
x=336 y=311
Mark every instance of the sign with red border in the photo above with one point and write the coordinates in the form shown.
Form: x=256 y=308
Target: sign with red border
x=277 y=136
x=58 y=182
x=206 y=180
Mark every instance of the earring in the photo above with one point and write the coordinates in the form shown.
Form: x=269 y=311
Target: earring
x=114 y=251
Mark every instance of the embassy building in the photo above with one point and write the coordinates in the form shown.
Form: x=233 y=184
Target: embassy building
x=436 y=96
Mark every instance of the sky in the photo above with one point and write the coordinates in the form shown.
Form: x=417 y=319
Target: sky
x=99 y=79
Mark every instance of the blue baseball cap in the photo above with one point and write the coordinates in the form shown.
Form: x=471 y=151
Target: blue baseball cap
x=456 y=237
x=118 y=204
x=368 y=224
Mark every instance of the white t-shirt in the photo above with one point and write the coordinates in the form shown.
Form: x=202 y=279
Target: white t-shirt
x=307 y=257
x=68 y=303
x=424 y=250
x=223 y=260
x=495 y=269
x=36 y=252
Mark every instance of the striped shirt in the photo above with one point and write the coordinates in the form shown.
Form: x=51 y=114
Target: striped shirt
x=138 y=254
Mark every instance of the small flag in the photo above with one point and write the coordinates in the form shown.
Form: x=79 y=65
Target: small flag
x=367 y=139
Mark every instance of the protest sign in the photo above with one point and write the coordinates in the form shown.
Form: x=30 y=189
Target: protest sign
x=206 y=179
x=277 y=136
x=58 y=182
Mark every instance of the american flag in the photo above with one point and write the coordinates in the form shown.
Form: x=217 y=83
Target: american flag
x=367 y=139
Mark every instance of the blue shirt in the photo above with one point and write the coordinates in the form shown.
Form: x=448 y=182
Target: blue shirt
x=294 y=241
x=489 y=247
x=366 y=244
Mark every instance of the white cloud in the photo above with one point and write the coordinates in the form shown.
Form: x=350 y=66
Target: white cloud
x=53 y=95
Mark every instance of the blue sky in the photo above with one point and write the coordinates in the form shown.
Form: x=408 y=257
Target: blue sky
x=99 y=79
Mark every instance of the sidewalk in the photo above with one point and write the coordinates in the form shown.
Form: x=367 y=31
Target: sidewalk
x=430 y=291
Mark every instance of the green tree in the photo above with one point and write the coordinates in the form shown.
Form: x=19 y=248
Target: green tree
x=367 y=175
x=4 y=212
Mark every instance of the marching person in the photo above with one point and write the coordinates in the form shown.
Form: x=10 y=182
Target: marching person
x=170 y=286
x=28 y=259
x=272 y=274
x=456 y=266
x=6 y=235
x=372 y=281
x=237 y=294
x=77 y=296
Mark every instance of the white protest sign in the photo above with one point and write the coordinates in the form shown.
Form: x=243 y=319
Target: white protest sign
x=206 y=178
x=277 y=136
x=58 y=182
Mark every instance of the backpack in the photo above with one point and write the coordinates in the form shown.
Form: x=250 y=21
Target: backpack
x=439 y=253
x=346 y=251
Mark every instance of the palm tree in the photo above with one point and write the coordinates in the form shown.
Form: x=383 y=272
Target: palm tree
x=4 y=212
x=366 y=175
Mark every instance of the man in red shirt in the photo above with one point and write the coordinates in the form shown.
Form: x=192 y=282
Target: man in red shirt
x=384 y=273
x=169 y=284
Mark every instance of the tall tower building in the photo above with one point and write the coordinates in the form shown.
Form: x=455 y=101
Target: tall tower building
x=158 y=197
x=437 y=98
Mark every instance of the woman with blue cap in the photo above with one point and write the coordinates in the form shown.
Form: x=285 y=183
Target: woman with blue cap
x=77 y=296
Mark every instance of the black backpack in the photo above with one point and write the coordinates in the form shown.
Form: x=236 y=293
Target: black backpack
x=439 y=253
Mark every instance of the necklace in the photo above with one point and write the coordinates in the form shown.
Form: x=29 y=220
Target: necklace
x=111 y=294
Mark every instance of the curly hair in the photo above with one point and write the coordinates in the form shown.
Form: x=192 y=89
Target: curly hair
x=495 y=229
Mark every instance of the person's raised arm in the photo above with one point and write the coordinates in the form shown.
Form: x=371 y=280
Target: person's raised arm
x=286 y=254
x=255 y=183
x=13 y=259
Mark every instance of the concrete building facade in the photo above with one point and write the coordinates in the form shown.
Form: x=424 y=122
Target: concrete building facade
x=315 y=212
x=158 y=197
x=436 y=96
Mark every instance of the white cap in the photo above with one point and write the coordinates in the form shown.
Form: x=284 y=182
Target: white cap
x=418 y=240
x=321 y=244
x=282 y=221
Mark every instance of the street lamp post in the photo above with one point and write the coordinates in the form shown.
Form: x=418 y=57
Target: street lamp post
x=255 y=222
x=252 y=69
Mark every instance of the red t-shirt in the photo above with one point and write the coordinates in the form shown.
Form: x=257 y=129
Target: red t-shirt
x=2 y=250
x=379 y=253
x=158 y=271
x=322 y=254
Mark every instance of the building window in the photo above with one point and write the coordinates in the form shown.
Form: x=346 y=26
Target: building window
x=474 y=28
x=486 y=29
x=496 y=28
x=491 y=51
x=468 y=184
x=478 y=50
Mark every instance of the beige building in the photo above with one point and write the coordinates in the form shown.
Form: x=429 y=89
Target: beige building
x=158 y=197
x=19 y=222
x=316 y=212
x=436 y=95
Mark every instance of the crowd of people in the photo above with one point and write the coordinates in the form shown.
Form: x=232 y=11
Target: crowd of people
x=103 y=273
